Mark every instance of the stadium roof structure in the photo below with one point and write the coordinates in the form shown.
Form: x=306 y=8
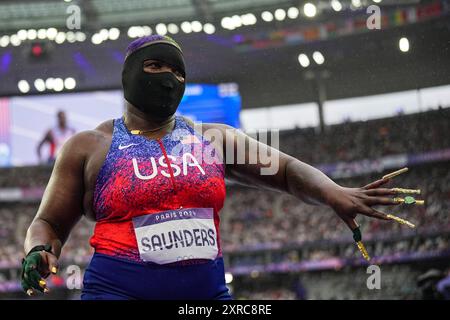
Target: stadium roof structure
x=262 y=57
x=119 y=13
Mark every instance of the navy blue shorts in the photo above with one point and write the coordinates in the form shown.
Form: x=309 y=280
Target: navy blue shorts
x=111 y=278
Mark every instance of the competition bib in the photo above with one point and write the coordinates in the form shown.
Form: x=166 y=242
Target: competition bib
x=176 y=235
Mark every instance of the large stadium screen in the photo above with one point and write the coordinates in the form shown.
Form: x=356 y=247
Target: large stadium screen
x=212 y=103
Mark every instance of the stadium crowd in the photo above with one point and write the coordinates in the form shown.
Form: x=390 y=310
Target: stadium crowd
x=397 y=282
x=413 y=133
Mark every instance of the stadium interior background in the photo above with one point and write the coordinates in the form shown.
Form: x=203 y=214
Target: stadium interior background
x=354 y=101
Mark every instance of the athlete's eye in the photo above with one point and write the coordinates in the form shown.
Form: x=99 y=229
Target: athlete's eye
x=153 y=65
x=178 y=74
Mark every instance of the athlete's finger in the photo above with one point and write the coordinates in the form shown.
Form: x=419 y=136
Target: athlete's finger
x=384 y=201
x=370 y=212
x=27 y=287
x=380 y=192
x=33 y=277
x=50 y=264
x=376 y=184
x=351 y=223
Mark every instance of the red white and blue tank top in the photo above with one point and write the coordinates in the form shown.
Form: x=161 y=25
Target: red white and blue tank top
x=144 y=182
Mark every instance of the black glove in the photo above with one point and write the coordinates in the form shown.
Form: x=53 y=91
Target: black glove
x=31 y=278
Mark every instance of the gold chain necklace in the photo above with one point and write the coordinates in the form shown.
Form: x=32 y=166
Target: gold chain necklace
x=138 y=132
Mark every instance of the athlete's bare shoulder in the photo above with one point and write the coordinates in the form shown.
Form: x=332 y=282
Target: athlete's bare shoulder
x=101 y=133
x=106 y=127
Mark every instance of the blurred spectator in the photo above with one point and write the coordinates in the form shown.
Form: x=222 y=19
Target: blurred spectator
x=56 y=137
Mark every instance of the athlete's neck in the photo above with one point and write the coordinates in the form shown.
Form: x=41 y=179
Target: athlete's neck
x=137 y=120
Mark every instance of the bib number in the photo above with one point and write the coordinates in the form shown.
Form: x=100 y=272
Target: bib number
x=176 y=235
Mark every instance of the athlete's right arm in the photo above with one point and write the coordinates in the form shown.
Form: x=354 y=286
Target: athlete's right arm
x=61 y=206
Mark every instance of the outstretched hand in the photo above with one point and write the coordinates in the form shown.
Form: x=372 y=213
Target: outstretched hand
x=349 y=202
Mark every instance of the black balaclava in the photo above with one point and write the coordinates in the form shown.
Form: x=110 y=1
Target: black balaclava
x=156 y=94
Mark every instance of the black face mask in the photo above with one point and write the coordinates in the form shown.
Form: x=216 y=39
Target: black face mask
x=157 y=94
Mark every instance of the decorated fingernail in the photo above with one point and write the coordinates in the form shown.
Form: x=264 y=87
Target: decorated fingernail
x=400 y=220
x=54 y=270
x=30 y=292
x=412 y=200
x=357 y=236
x=46 y=290
x=395 y=173
x=363 y=250
x=42 y=283
x=406 y=191
x=409 y=200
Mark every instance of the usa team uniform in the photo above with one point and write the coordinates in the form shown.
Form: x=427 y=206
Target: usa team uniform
x=157 y=204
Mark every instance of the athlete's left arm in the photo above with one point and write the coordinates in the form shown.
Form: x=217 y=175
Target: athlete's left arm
x=276 y=170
